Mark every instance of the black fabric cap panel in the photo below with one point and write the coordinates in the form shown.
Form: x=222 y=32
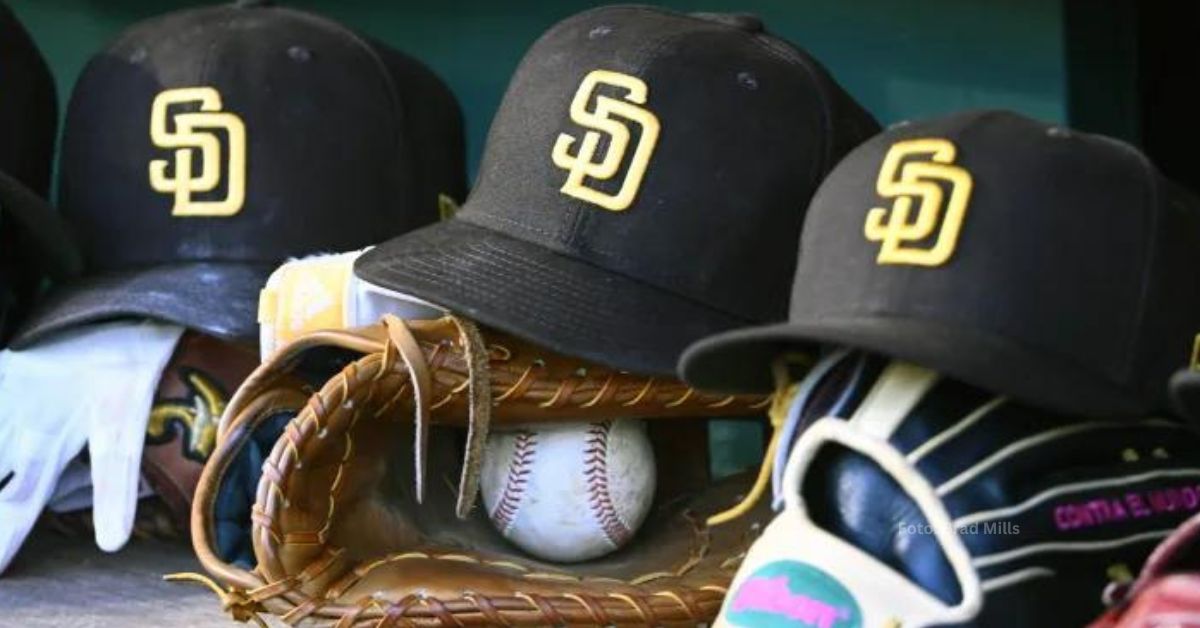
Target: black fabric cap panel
x=1070 y=285
x=324 y=169
x=34 y=241
x=38 y=237
x=28 y=107
x=747 y=127
x=346 y=143
x=35 y=237
x=569 y=306
x=432 y=142
x=1185 y=394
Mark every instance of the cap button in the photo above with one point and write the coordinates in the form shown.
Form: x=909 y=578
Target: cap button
x=741 y=21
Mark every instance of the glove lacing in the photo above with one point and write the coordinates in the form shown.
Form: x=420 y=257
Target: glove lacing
x=237 y=603
x=479 y=400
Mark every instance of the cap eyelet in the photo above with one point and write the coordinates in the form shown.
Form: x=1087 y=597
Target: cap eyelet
x=747 y=80
x=299 y=53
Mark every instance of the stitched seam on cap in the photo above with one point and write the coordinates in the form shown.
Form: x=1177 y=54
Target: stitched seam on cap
x=1152 y=261
x=1149 y=261
x=788 y=53
x=482 y=219
x=389 y=85
x=136 y=33
x=210 y=51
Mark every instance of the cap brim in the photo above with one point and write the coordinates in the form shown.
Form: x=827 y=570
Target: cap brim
x=1185 y=393
x=50 y=242
x=559 y=302
x=219 y=299
x=740 y=361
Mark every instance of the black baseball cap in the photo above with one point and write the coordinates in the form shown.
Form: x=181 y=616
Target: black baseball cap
x=204 y=147
x=33 y=239
x=1050 y=265
x=642 y=186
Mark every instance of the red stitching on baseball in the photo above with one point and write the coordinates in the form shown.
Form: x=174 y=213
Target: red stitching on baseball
x=518 y=476
x=596 y=472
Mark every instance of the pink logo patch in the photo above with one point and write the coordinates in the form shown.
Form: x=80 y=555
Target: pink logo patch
x=772 y=595
x=1113 y=509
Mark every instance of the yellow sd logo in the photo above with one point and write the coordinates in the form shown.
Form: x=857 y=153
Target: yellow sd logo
x=186 y=140
x=915 y=170
x=583 y=164
x=195 y=417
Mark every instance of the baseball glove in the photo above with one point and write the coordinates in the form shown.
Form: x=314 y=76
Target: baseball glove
x=326 y=502
x=916 y=500
x=1167 y=592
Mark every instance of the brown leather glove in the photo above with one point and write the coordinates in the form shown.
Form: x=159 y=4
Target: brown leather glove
x=190 y=399
x=325 y=501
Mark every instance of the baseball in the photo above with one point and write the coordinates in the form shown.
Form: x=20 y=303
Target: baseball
x=571 y=491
